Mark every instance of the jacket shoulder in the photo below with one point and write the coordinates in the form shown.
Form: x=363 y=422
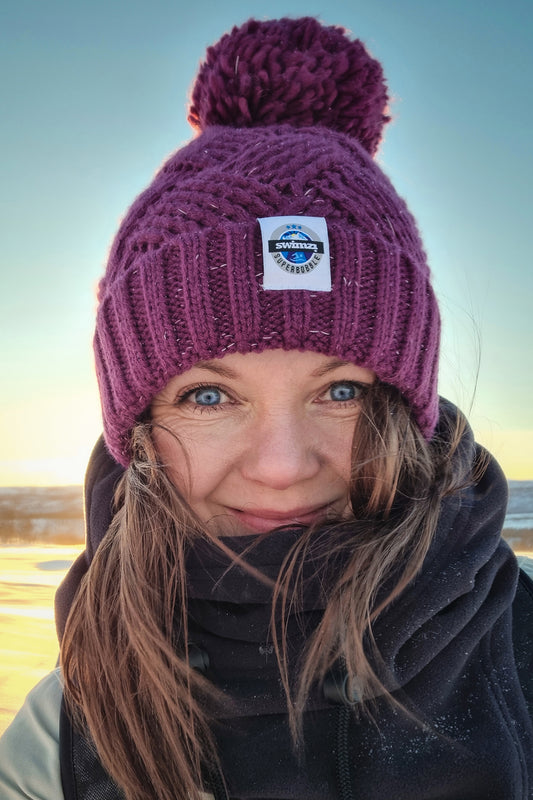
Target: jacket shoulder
x=526 y=565
x=29 y=748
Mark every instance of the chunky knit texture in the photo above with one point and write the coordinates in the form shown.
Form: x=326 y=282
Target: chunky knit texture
x=295 y=71
x=290 y=112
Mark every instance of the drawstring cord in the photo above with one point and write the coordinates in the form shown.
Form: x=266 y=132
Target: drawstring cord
x=199 y=660
x=337 y=689
x=343 y=754
x=216 y=783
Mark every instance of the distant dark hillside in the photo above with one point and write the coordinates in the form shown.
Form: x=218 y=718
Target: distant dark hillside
x=47 y=514
x=54 y=515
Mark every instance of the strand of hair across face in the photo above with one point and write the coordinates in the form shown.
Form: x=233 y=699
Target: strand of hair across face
x=124 y=654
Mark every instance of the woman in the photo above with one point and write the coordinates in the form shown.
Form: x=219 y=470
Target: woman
x=303 y=591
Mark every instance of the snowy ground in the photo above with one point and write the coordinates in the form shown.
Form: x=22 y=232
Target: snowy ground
x=29 y=577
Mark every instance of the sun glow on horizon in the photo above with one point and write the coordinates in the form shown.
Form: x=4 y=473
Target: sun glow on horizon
x=44 y=472
x=512 y=449
x=48 y=441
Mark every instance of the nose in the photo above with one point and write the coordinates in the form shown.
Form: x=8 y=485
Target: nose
x=281 y=451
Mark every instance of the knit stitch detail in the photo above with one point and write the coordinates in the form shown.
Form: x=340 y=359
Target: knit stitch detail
x=184 y=280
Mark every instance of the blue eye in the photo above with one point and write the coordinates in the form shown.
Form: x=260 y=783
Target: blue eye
x=203 y=397
x=344 y=391
x=207 y=396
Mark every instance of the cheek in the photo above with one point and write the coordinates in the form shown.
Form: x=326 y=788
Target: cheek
x=340 y=450
x=173 y=457
x=193 y=463
x=336 y=437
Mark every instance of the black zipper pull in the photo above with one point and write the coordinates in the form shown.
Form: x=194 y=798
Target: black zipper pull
x=338 y=689
x=198 y=658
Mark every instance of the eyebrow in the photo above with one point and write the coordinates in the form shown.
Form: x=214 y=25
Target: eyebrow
x=330 y=366
x=214 y=365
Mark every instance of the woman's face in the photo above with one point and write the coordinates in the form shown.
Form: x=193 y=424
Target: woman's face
x=261 y=440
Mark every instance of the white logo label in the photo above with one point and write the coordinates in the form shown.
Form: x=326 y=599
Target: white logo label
x=295 y=253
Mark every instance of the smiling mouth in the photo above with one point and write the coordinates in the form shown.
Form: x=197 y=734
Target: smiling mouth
x=263 y=520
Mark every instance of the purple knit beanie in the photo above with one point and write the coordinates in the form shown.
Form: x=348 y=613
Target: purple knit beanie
x=289 y=114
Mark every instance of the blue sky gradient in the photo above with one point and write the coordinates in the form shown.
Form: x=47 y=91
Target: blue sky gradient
x=94 y=98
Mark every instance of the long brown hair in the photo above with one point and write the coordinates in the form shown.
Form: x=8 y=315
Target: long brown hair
x=125 y=650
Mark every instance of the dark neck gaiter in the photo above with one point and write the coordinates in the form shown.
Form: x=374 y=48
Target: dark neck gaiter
x=446 y=652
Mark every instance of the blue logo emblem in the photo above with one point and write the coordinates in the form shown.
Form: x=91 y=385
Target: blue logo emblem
x=296 y=249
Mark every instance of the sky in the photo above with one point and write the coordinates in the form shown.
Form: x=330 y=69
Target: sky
x=94 y=98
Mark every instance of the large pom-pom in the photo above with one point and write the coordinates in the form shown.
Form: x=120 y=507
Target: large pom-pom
x=294 y=71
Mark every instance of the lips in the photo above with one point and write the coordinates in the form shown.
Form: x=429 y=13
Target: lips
x=261 y=520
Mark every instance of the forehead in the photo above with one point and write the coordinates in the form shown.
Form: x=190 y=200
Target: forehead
x=269 y=368
x=316 y=364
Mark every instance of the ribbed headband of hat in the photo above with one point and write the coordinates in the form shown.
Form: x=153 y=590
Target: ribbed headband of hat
x=289 y=114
